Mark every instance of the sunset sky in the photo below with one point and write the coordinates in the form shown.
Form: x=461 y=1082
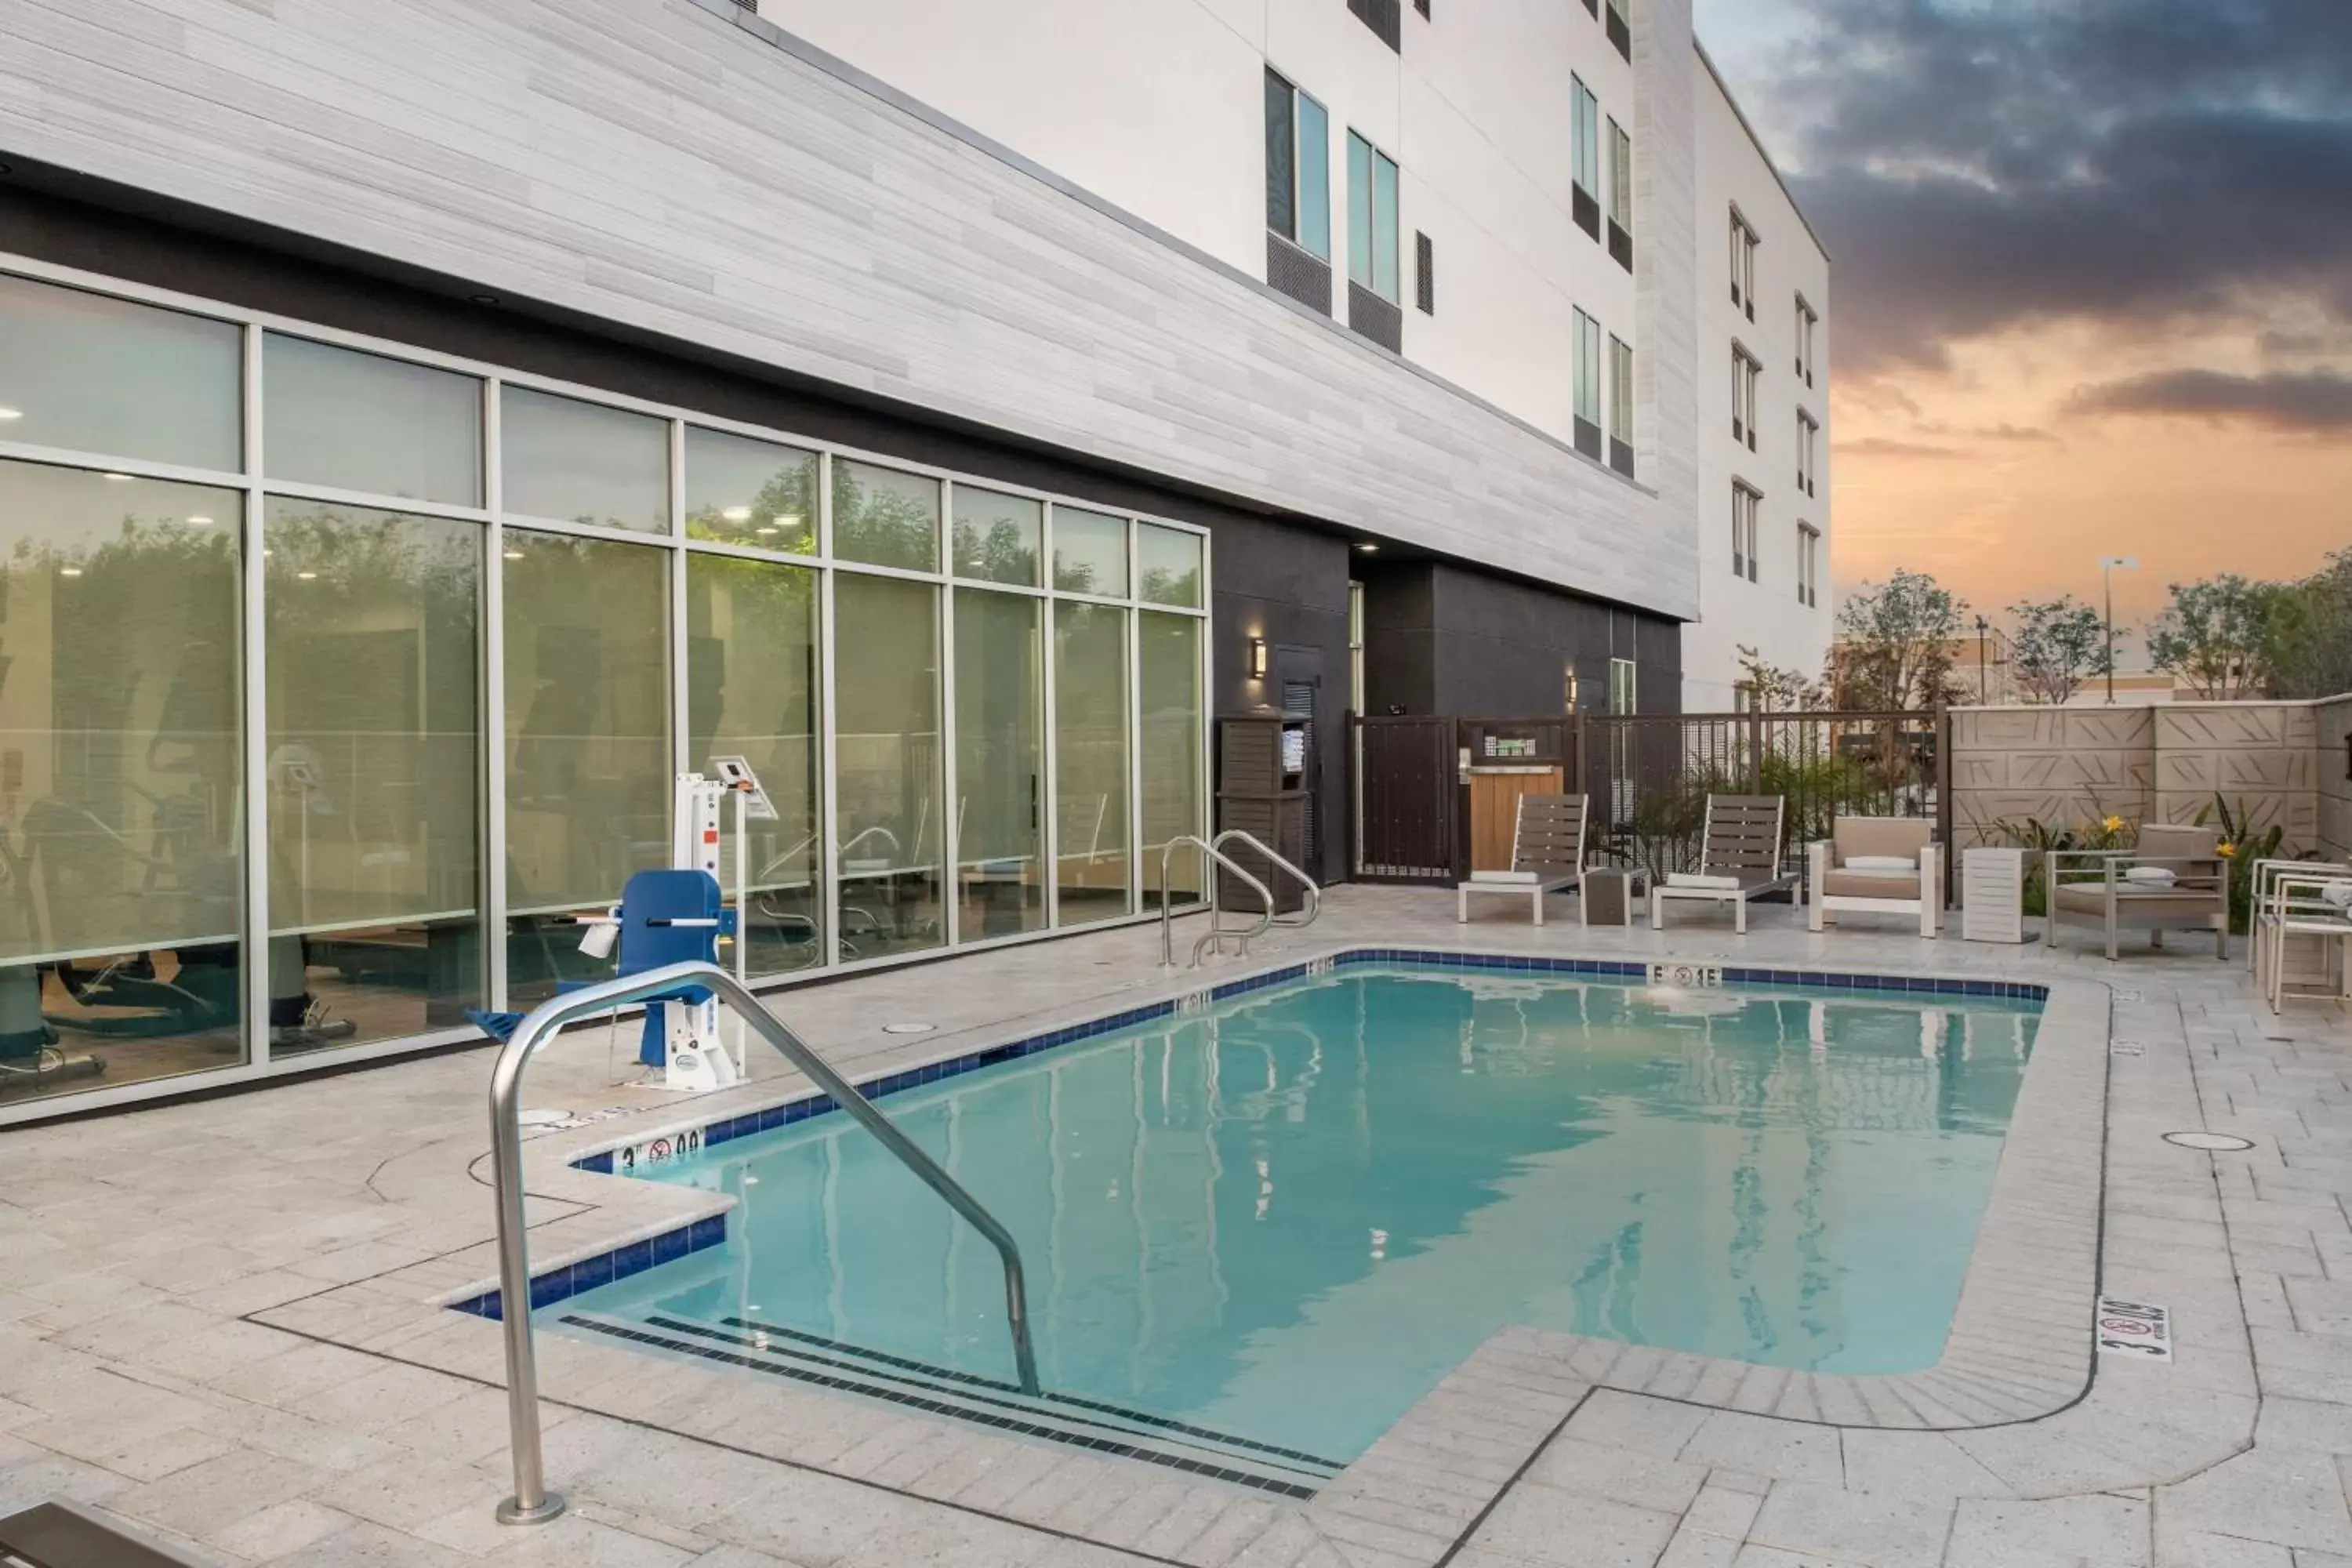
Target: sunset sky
x=2091 y=279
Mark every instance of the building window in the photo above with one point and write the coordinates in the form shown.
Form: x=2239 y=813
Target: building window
x=1621 y=691
x=1620 y=196
x=1587 y=385
x=1745 y=502
x=1297 y=168
x=1372 y=244
x=1807 y=433
x=1620 y=28
x=1745 y=370
x=1808 y=564
x=1584 y=112
x=1355 y=647
x=1806 y=322
x=1621 y=406
x=1743 y=264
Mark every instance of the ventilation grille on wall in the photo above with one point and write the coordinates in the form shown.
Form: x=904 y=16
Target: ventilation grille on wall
x=1385 y=17
x=1375 y=318
x=1425 y=275
x=1301 y=274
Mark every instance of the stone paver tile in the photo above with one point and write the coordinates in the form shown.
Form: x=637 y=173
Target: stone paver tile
x=2095 y=1531
x=1546 y=1525
x=1612 y=1419
x=1720 y=1510
x=2289 y=1423
x=2035 y=1462
x=279 y=1529
x=1619 y=1474
x=37 y=1476
x=1915 y=1464
x=409 y=1492
x=738 y=1557
x=809 y=1520
x=1885 y=1531
x=205 y=1498
x=2291 y=1496
x=366 y=1545
x=1758 y=1444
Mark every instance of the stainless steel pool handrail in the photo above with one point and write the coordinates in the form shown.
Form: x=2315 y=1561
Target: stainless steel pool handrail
x=1216 y=933
x=532 y=1503
x=1314 y=892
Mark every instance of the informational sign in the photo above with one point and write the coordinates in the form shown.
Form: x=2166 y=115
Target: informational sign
x=735 y=773
x=658 y=1151
x=2134 y=1329
x=1686 y=974
x=2126 y=1049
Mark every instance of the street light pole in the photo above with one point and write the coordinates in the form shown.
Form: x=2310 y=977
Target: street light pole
x=2108 y=564
x=1982 y=625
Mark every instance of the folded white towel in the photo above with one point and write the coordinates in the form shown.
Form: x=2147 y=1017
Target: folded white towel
x=1692 y=879
x=1881 y=863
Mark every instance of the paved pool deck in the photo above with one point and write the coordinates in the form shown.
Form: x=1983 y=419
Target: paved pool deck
x=220 y=1320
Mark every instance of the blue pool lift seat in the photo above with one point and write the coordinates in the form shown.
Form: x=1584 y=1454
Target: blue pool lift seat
x=667 y=917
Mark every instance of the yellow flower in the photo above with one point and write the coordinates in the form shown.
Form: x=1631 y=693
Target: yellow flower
x=2113 y=825
x=2225 y=849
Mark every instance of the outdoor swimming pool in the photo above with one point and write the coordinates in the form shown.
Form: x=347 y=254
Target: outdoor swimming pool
x=1258 y=1232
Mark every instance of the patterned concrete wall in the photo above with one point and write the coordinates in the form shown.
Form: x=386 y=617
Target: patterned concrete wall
x=2074 y=765
x=2057 y=765
x=2332 y=760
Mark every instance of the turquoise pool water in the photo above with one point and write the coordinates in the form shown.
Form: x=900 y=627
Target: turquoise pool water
x=1288 y=1215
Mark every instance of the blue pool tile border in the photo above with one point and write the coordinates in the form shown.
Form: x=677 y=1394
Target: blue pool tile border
x=589 y=1273
x=585 y=1274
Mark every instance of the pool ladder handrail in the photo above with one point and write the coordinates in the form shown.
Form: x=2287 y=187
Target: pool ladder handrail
x=532 y=1503
x=1314 y=893
x=1215 y=933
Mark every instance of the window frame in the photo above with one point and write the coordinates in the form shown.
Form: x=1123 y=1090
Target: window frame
x=1379 y=184
x=1747 y=505
x=1809 y=572
x=1299 y=102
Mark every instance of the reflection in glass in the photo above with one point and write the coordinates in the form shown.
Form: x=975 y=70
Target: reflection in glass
x=1091 y=759
x=996 y=536
x=743 y=491
x=588 y=760
x=372 y=627
x=886 y=708
x=1169 y=670
x=1170 y=565
x=92 y=374
x=330 y=414
x=120 y=780
x=999 y=764
x=750 y=661
x=582 y=462
x=885 y=517
x=1089 y=553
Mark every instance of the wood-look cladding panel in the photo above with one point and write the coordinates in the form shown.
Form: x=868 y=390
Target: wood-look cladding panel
x=674 y=170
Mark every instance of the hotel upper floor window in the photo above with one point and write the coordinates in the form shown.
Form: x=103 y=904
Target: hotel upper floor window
x=1808 y=435
x=1620 y=26
x=1297 y=167
x=1587 y=385
x=1806 y=322
x=1743 y=264
x=1621 y=406
x=325 y=411
x=1745 y=369
x=1745 y=502
x=1371 y=219
x=1808 y=564
x=1620 y=196
x=1584 y=116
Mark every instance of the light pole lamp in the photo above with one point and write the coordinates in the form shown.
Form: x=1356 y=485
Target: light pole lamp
x=2108 y=566
x=1983 y=629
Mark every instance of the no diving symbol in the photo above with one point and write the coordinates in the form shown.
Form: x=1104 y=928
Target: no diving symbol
x=2134 y=1329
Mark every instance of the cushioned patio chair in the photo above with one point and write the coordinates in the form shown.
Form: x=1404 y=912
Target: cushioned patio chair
x=2176 y=880
x=1739 y=859
x=1874 y=865
x=1547 y=855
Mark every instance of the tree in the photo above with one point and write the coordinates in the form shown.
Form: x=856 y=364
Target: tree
x=2057 y=643
x=2308 y=642
x=1774 y=689
x=1896 y=641
x=2217 y=634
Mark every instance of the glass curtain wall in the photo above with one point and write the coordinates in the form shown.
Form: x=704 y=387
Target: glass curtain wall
x=255 y=640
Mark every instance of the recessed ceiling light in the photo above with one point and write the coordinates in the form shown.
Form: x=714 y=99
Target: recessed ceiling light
x=119 y=478
x=513 y=554
x=11 y=414
x=199 y=522
x=485 y=298
x=307 y=576
x=1368 y=547
x=737 y=514
x=68 y=571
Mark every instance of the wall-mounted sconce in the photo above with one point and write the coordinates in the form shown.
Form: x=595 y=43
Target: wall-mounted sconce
x=1257 y=658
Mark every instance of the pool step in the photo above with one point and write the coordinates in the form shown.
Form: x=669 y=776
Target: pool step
x=1097 y=1425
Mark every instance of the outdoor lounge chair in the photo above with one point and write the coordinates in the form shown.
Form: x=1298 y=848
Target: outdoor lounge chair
x=1740 y=858
x=1874 y=865
x=1547 y=855
x=2120 y=888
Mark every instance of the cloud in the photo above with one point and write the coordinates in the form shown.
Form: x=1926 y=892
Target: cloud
x=1886 y=446
x=1977 y=167
x=2306 y=403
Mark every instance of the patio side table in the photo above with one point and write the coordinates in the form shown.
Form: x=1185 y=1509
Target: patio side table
x=1611 y=895
x=1992 y=895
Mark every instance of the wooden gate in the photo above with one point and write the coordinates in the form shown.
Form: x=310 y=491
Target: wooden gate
x=1404 y=778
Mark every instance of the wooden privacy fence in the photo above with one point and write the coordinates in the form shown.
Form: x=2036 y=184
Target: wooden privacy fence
x=1433 y=796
